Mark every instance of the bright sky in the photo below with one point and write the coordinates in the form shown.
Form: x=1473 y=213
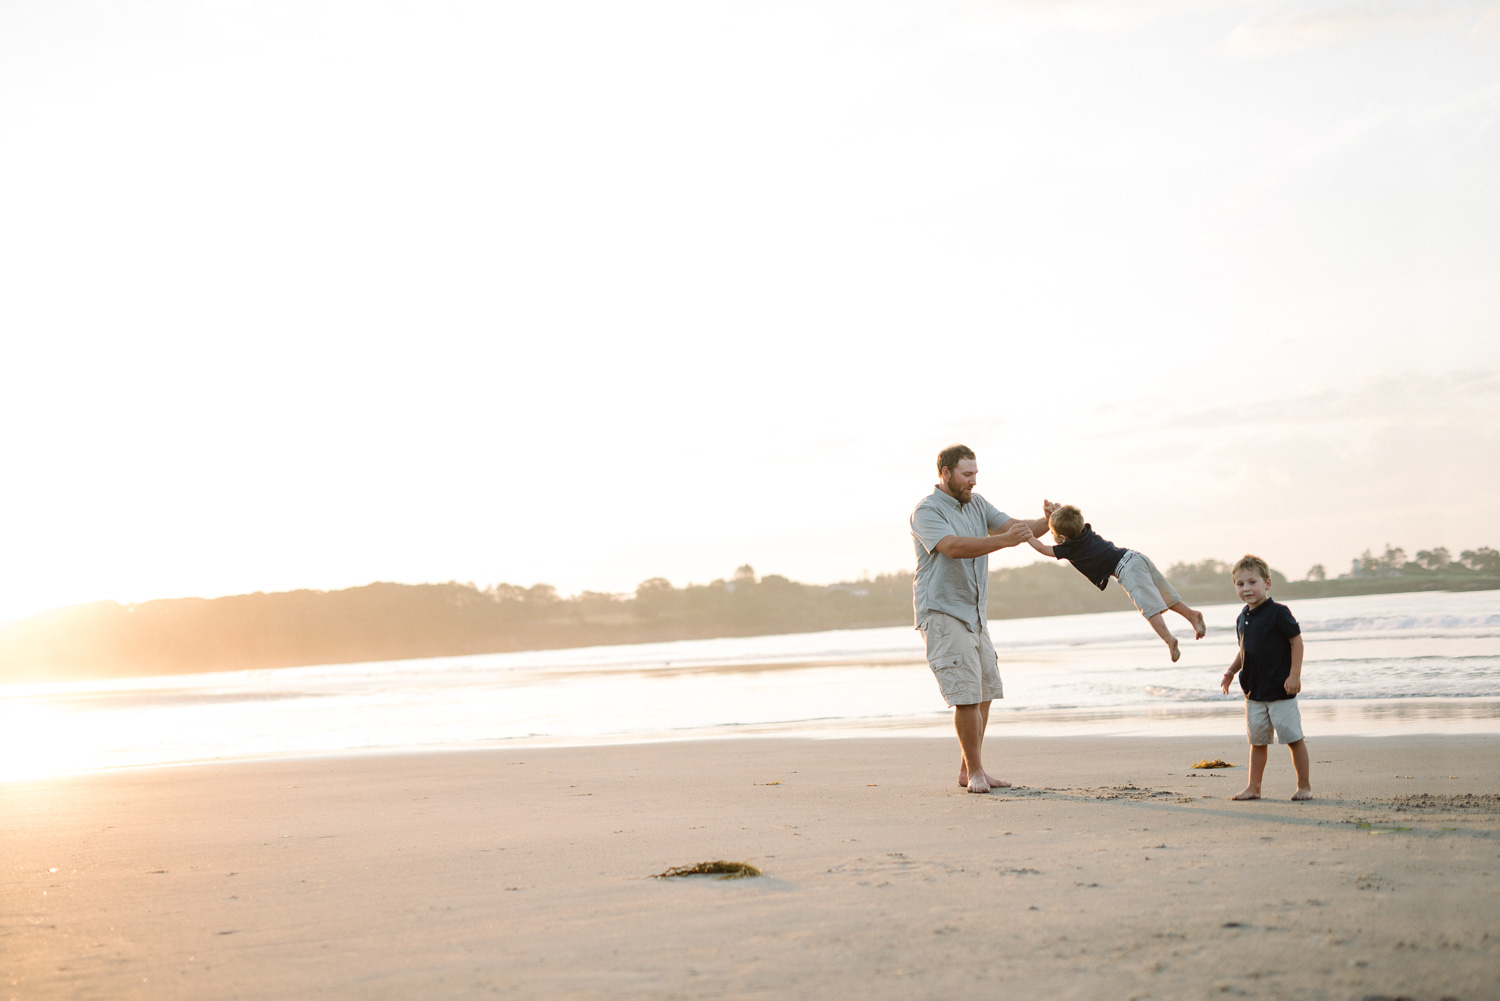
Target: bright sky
x=310 y=293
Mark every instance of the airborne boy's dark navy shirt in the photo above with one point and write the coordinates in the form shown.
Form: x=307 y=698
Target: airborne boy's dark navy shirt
x=1091 y=556
x=1265 y=634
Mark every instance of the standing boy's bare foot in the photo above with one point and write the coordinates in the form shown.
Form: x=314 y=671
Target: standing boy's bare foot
x=1249 y=792
x=1200 y=628
x=1302 y=794
x=1176 y=651
x=978 y=784
x=994 y=783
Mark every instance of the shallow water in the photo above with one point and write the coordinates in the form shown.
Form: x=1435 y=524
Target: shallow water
x=1397 y=663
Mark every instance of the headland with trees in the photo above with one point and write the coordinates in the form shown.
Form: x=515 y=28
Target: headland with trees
x=386 y=621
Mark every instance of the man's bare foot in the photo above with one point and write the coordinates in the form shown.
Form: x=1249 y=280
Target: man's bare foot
x=963 y=780
x=1200 y=628
x=1176 y=651
x=1302 y=794
x=1249 y=792
x=978 y=784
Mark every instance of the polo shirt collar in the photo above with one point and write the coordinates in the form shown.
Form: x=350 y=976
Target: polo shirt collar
x=943 y=495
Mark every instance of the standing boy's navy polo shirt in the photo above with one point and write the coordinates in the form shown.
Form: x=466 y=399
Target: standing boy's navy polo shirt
x=1092 y=556
x=1265 y=634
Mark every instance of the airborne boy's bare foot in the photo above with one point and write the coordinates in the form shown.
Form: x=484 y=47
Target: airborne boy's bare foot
x=1200 y=628
x=1249 y=792
x=1174 y=647
x=1302 y=794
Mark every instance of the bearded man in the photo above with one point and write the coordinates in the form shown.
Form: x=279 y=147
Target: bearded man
x=954 y=530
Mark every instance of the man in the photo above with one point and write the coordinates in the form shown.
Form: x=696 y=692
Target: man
x=954 y=530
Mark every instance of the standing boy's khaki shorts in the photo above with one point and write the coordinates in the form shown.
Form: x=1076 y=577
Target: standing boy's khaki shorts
x=963 y=662
x=1282 y=715
x=1150 y=591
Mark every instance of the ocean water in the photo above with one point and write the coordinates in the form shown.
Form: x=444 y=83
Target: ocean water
x=1376 y=664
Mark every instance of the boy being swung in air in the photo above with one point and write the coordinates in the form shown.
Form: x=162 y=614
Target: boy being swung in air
x=1099 y=559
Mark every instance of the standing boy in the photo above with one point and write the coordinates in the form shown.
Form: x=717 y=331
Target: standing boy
x=1269 y=663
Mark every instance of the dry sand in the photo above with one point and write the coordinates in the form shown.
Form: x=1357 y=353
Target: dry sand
x=1112 y=870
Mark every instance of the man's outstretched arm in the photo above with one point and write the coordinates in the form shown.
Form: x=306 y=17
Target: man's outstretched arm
x=959 y=547
x=1038 y=527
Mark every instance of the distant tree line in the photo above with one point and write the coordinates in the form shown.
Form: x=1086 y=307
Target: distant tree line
x=1432 y=570
x=1429 y=563
x=401 y=621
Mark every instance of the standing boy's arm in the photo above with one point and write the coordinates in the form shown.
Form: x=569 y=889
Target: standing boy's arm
x=1235 y=669
x=1294 y=679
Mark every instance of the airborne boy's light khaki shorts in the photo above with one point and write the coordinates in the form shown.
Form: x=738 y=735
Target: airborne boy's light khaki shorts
x=964 y=663
x=1150 y=591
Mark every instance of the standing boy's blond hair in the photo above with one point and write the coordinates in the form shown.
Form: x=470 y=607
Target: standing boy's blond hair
x=1253 y=563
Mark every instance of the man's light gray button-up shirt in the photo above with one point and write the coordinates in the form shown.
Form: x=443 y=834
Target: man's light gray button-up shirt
x=954 y=587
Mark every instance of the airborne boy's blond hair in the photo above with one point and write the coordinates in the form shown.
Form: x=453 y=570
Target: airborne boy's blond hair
x=1066 y=522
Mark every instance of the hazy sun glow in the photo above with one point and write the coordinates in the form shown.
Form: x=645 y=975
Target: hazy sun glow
x=38 y=739
x=313 y=294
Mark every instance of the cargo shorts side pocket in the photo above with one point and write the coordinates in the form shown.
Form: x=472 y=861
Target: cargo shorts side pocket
x=950 y=667
x=955 y=677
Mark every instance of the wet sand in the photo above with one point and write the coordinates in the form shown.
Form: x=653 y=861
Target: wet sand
x=1112 y=869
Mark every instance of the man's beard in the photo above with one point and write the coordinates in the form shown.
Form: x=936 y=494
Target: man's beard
x=960 y=493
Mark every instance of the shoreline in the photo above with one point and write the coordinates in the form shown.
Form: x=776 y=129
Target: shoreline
x=1377 y=719
x=526 y=872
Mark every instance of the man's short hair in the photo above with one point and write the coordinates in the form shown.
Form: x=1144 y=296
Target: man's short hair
x=1255 y=563
x=950 y=457
x=1066 y=521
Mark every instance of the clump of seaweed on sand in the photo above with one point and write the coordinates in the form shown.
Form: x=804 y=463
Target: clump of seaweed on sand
x=1215 y=763
x=720 y=868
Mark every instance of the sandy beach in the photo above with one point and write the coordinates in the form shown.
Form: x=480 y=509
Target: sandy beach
x=1111 y=869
